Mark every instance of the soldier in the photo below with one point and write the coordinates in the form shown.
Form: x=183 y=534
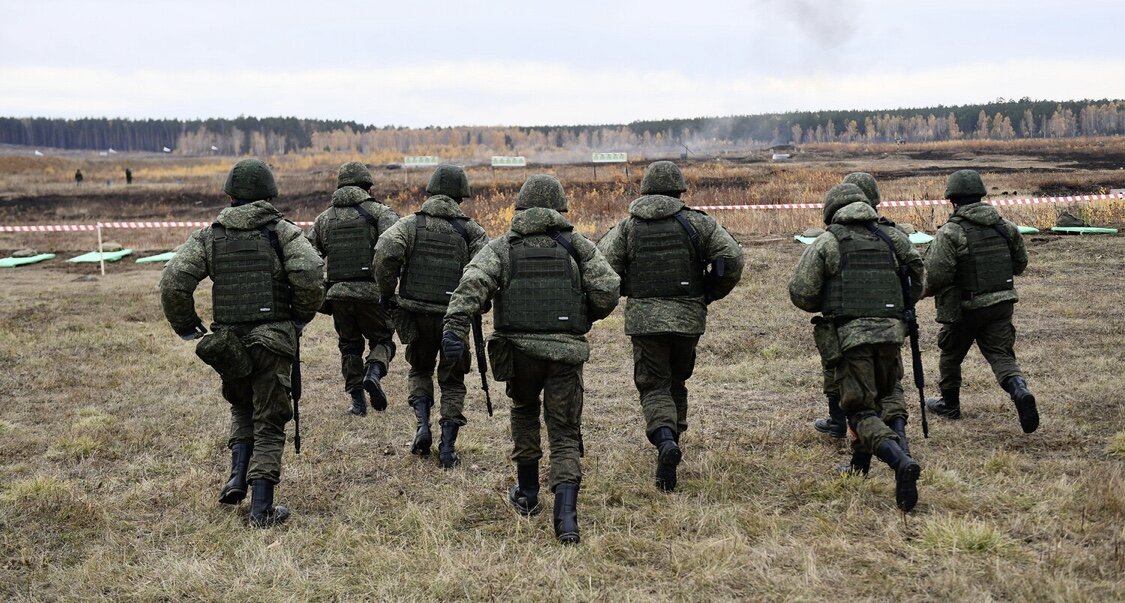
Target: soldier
x=266 y=286
x=850 y=275
x=77 y=177
x=550 y=284
x=346 y=235
x=429 y=250
x=662 y=251
x=970 y=270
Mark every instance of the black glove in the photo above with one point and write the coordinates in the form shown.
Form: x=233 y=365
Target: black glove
x=388 y=302
x=300 y=325
x=487 y=307
x=195 y=333
x=451 y=346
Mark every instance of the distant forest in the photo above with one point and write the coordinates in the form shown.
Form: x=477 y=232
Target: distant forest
x=999 y=120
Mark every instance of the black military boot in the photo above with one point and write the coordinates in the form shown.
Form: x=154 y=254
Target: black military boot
x=948 y=405
x=447 y=453
x=835 y=425
x=423 y=439
x=524 y=496
x=906 y=473
x=668 y=456
x=359 y=403
x=373 y=387
x=262 y=512
x=898 y=425
x=859 y=465
x=1025 y=403
x=235 y=489
x=566 y=513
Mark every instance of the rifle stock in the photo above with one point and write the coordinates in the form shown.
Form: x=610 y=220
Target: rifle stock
x=482 y=360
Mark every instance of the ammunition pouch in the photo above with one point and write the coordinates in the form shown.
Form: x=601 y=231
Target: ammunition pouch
x=224 y=352
x=827 y=340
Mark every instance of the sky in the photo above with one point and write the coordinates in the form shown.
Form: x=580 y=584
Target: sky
x=424 y=62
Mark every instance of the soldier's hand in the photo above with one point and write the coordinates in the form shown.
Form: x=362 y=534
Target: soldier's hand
x=925 y=293
x=388 y=302
x=300 y=325
x=486 y=307
x=451 y=346
x=197 y=331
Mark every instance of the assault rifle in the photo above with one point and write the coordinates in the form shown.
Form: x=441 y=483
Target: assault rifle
x=295 y=382
x=911 y=318
x=482 y=360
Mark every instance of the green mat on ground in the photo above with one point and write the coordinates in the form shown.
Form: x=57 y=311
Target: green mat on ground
x=1028 y=230
x=805 y=240
x=13 y=262
x=95 y=257
x=918 y=238
x=160 y=257
x=1083 y=230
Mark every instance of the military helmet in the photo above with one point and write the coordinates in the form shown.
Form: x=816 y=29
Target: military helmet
x=964 y=183
x=662 y=177
x=250 y=180
x=542 y=190
x=866 y=183
x=354 y=173
x=449 y=180
x=841 y=196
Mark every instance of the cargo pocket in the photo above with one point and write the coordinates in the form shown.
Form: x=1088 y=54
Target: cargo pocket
x=947 y=305
x=224 y=352
x=827 y=340
x=500 y=355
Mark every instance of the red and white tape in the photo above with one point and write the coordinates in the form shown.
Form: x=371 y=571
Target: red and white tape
x=51 y=228
x=924 y=202
x=107 y=225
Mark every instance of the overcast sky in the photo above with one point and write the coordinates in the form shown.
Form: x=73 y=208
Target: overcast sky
x=423 y=62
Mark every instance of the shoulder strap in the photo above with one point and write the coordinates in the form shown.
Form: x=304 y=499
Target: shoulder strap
x=691 y=233
x=566 y=244
x=269 y=231
x=460 y=228
x=1000 y=230
x=372 y=220
x=875 y=230
x=218 y=231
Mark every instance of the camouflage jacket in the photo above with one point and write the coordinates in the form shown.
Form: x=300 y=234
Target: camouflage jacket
x=303 y=270
x=950 y=248
x=490 y=271
x=680 y=315
x=821 y=261
x=396 y=245
x=344 y=201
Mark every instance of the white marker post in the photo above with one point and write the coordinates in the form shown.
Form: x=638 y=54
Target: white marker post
x=507 y=161
x=610 y=158
x=101 y=251
x=409 y=161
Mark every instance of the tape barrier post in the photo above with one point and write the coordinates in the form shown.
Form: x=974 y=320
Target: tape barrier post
x=101 y=250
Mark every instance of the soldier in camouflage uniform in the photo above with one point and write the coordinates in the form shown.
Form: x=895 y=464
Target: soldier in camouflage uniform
x=550 y=284
x=662 y=251
x=850 y=275
x=266 y=285
x=429 y=251
x=971 y=269
x=346 y=235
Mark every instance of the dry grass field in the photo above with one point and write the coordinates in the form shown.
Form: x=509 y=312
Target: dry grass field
x=112 y=435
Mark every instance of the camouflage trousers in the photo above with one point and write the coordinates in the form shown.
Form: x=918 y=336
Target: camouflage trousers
x=561 y=386
x=891 y=406
x=992 y=330
x=864 y=375
x=662 y=364
x=259 y=409
x=424 y=355
x=354 y=322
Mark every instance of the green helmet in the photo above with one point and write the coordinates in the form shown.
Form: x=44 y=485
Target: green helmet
x=964 y=183
x=449 y=180
x=866 y=183
x=662 y=177
x=841 y=196
x=542 y=190
x=250 y=180
x=354 y=173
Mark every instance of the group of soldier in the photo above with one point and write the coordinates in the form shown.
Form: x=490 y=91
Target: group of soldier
x=430 y=276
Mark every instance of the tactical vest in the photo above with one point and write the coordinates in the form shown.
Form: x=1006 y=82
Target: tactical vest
x=244 y=288
x=988 y=267
x=350 y=246
x=544 y=293
x=665 y=259
x=868 y=285
x=436 y=261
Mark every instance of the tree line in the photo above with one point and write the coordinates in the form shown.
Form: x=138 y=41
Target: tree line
x=998 y=120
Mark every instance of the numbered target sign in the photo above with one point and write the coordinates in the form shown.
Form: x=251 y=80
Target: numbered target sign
x=609 y=158
x=506 y=161
x=420 y=161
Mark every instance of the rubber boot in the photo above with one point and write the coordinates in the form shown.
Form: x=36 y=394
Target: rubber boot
x=524 y=495
x=835 y=425
x=263 y=513
x=898 y=425
x=566 y=513
x=447 y=453
x=948 y=405
x=235 y=489
x=668 y=456
x=859 y=465
x=907 y=471
x=375 y=372
x=423 y=439
x=1025 y=403
x=359 y=403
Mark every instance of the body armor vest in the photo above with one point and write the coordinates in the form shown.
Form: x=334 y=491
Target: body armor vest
x=665 y=260
x=436 y=262
x=989 y=265
x=245 y=289
x=350 y=247
x=867 y=285
x=544 y=293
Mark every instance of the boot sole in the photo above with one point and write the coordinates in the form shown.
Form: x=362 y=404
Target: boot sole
x=422 y=447
x=1029 y=414
x=276 y=518
x=948 y=414
x=449 y=464
x=829 y=432
x=666 y=464
x=569 y=538
x=523 y=509
x=906 y=487
x=378 y=398
x=232 y=497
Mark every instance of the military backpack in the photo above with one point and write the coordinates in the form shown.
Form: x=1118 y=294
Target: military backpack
x=868 y=285
x=666 y=260
x=350 y=245
x=989 y=265
x=436 y=261
x=245 y=289
x=544 y=292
